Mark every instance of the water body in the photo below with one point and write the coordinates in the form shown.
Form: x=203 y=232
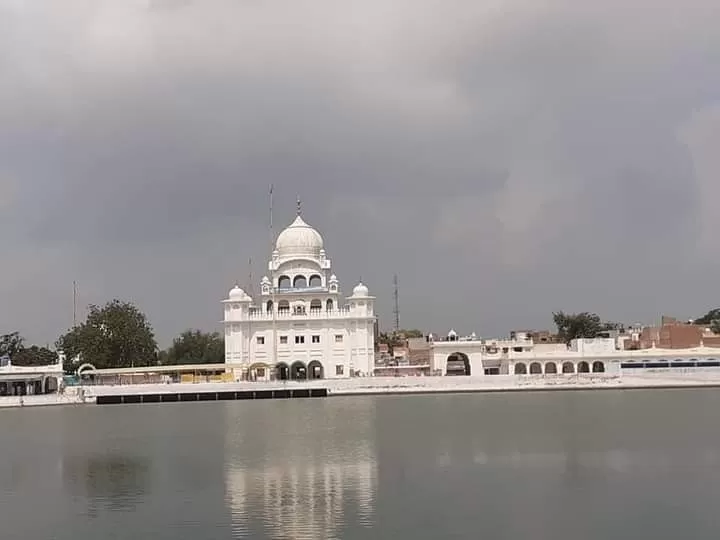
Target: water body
x=561 y=465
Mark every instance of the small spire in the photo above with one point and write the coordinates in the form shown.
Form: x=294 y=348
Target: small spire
x=299 y=207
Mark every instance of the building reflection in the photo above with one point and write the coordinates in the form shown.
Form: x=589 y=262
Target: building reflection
x=308 y=486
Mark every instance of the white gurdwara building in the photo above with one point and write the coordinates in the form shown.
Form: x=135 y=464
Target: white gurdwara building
x=300 y=327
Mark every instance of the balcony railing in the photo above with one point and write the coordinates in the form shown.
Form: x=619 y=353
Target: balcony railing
x=288 y=314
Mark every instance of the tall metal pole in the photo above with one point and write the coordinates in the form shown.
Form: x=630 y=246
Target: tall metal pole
x=396 y=296
x=272 y=283
x=74 y=304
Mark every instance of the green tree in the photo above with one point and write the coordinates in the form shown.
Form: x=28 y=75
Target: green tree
x=10 y=344
x=711 y=319
x=577 y=325
x=116 y=335
x=34 y=356
x=195 y=347
x=413 y=333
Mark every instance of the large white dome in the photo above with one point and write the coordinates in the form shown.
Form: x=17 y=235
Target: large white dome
x=299 y=239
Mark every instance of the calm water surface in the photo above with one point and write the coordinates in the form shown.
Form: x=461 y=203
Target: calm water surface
x=566 y=465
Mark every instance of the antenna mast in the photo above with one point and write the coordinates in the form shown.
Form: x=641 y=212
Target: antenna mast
x=396 y=297
x=249 y=286
x=272 y=280
x=74 y=304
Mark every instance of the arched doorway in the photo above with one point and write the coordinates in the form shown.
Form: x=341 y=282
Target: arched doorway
x=282 y=371
x=520 y=369
x=300 y=282
x=284 y=282
x=551 y=368
x=283 y=306
x=583 y=367
x=269 y=306
x=457 y=364
x=329 y=305
x=568 y=367
x=298 y=371
x=258 y=371
x=315 y=370
x=49 y=385
x=598 y=367
x=315 y=305
x=315 y=281
x=535 y=368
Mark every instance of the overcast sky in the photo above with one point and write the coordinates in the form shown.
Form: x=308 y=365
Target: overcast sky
x=505 y=158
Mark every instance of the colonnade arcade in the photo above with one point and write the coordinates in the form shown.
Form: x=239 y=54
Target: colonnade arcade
x=459 y=364
x=553 y=368
x=284 y=371
x=28 y=385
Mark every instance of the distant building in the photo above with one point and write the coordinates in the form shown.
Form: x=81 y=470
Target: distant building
x=675 y=334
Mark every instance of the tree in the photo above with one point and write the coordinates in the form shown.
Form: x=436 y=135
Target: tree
x=116 y=335
x=195 y=347
x=10 y=344
x=34 y=356
x=413 y=333
x=711 y=319
x=577 y=325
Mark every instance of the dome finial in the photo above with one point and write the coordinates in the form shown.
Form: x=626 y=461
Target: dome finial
x=299 y=207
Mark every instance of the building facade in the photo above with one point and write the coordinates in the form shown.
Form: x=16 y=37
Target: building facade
x=454 y=355
x=301 y=326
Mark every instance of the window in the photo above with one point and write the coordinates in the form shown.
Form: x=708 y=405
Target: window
x=260 y=372
x=299 y=339
x=339 y=369
x=338 y=338
x=283 y=340
x=316 y=339
x=261 y=340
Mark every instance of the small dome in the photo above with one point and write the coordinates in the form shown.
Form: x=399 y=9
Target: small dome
x=452 y=333
x=360 y=290
x=299 y=239
x=236 y=293
x=333 y=278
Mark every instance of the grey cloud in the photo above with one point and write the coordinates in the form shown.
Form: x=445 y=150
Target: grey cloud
x=506 y=159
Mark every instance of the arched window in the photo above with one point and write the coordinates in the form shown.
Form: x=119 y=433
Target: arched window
x=520 y=369
x=329 y=305
x=551 y=368
x=283 y=306
x=535 y=368
x=300 y=282
x=315 y=281
x=315 y=305
x=284 y=282
x=269 y=306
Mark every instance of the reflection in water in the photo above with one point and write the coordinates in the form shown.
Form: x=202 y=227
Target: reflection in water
x=297 y=502
x=116 y=482
x=312 y=474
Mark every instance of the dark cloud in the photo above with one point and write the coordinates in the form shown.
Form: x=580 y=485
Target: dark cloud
x=505 y=159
